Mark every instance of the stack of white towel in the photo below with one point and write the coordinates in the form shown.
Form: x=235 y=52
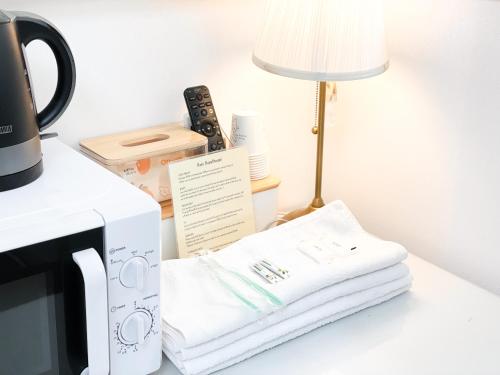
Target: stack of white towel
x=217 y=312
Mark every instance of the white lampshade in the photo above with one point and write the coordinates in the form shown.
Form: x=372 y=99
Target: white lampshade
x=323 y=40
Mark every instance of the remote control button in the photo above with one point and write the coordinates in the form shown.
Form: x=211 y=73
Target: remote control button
x=203 y=112
x=199 y=97
x=208 y=129
x=191 y=98
x=213 y=146
x=211 y=111
x=220 y=142
x=196 y=114
x=194 y=106
x=218 y=132
x=206 y=96
x=208 y=104
x=201 y=105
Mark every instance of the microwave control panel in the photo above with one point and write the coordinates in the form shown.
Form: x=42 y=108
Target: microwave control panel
x=133 y=259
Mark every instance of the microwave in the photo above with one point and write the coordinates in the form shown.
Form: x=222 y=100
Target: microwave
x=79 y=272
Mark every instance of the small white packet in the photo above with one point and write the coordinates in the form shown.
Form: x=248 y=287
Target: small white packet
x=326 y=249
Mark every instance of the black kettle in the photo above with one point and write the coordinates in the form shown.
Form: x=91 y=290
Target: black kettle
x=20 y=122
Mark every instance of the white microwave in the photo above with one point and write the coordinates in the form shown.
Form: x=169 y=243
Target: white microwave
x=79 y=272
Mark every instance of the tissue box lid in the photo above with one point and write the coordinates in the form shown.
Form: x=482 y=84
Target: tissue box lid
x=142 y=144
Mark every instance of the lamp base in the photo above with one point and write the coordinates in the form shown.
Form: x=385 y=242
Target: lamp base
x=316 y=204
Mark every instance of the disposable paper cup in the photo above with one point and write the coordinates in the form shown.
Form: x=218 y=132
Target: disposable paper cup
x=258 y=163
x=252 y=173
x=258 y=158
x=260 y=170
x=259 y=176
x=247 y=131
x=257 y=167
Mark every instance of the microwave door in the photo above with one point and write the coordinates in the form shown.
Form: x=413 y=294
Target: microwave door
x=46 y=327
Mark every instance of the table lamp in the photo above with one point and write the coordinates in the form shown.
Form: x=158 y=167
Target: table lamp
x=322 y=40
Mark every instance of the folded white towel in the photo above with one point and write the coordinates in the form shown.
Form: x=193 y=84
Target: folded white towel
x=287 y=329
x=197 y=310
x=315 y=299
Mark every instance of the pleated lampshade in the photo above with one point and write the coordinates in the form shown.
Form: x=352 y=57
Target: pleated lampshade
x=322 y=40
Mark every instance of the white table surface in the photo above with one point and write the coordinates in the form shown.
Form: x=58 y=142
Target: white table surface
x=444 y=325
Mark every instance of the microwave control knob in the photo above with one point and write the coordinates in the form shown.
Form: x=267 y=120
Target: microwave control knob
x=133 y=273
x=136 y=327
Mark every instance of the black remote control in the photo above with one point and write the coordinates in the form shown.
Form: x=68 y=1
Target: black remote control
x=203 y=117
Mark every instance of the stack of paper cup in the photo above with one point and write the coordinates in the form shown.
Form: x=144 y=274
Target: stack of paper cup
x=247 y=131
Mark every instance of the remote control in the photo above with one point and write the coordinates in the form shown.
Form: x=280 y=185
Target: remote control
x=203 y=118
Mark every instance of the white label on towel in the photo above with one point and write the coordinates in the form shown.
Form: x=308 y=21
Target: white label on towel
x=327 y=249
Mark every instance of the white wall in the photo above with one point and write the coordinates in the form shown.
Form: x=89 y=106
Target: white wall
x=416 y=150
x=134 y=59
x=413 y=151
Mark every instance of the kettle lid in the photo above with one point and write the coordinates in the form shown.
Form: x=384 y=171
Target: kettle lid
x=4 y=18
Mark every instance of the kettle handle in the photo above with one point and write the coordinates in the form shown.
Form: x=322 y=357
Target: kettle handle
x=33 y=27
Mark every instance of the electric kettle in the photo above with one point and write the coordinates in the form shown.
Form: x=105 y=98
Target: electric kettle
x=20 y=122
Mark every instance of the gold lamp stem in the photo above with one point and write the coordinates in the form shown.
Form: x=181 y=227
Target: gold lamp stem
x=318 y=200
x=319 y=130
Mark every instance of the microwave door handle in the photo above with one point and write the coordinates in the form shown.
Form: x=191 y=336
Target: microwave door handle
x=96 y=309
